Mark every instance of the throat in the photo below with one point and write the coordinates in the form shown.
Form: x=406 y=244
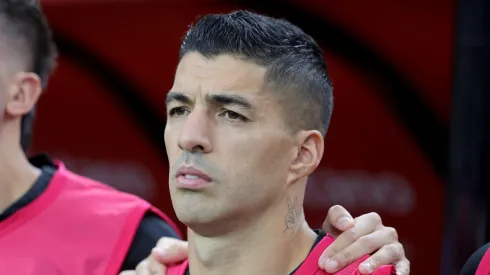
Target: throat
x=17 y=176
x=250 y=253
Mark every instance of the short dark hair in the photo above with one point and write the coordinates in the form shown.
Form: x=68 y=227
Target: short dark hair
x=295 y=63
x=27 y=22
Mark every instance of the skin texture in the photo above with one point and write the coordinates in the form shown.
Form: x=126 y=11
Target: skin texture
x=225 y=123
x=240 y=148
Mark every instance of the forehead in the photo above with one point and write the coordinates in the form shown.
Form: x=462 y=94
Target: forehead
x=219 y=74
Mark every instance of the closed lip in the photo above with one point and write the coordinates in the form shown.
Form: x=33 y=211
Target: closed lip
x=189 y=170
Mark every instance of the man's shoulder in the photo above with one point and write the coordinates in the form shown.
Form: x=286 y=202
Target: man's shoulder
x=80 y=194
x=86 y=194
x=62 y=174
x=86 y=188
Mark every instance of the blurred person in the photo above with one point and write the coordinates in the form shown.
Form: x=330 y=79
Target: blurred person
x=247 y=114
x=53 y=221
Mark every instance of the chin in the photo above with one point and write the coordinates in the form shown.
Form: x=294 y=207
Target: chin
x=201 y=225
x=193 y=211
x=206 y=221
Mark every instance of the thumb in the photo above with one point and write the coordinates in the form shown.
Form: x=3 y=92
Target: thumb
x=170 y=251
x=337 y=221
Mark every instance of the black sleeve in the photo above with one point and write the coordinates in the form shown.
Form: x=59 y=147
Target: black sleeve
x=471 y=265
x=150 y=230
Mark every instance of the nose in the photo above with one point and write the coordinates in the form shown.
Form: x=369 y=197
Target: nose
x=195 y=135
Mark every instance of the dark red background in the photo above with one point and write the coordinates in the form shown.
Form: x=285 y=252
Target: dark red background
x=372 y=162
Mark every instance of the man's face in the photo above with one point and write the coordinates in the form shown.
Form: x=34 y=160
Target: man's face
x=227 y=143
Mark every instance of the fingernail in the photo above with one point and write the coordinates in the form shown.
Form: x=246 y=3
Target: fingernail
x=332 y=265
x=160 y=252
x=367 y=267
x=344 y=222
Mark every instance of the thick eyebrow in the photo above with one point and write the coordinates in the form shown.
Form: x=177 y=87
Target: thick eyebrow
x=179 y=97
x=226 y=99
x=215 y=99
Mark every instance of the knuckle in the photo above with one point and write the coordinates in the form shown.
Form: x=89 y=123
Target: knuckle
x=368 y=242
x=335 y=209
x=393 y=251
x=345 y=257
x=335 y=213
x=333 y=250
x=375 y=217
x=405 y=263
x=352 y=234
x=392 y=233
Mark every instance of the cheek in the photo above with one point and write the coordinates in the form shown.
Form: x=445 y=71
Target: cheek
x=258 y=177
x=171 y=144
x=258 y=159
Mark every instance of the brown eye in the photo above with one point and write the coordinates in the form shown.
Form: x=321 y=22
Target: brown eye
x=230 y=115
x=178 y=111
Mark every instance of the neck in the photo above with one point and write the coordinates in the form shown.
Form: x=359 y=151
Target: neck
x=17 y=175
x=274 y=243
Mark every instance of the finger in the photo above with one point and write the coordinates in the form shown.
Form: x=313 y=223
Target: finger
x=364 y=245
x=142 y=268
x=388 y=254
x=403 y=267
x=170 y=251
x=338 y=220
x=156 y=267
x=364 y=225
x=128 y=272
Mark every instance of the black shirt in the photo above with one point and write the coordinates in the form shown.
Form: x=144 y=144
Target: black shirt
x=472 y=264
x=150 y=230
x=318 y=239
